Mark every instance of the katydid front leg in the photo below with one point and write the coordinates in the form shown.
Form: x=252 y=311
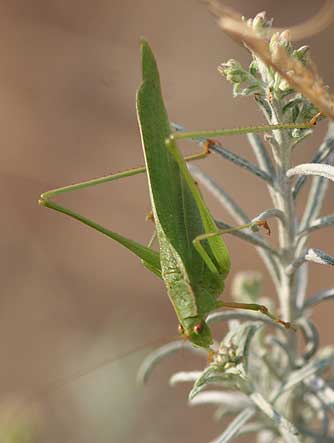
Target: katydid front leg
x=183 y=135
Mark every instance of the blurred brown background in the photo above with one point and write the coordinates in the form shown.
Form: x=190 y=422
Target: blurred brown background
x=71 y=298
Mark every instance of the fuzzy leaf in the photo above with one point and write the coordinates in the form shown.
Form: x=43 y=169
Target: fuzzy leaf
x=240 y=161
x=323 y=170
x=322 y=390
x=233 y=402
x=324 y=358
x=312 y=255
x=311 y=338
x=156 y=356
x=240 y=339
x=327 y=294
x=322 y=154
x=318 y=256
x=230 y=379
x=234 y=428
x=184 y=377
x=230 y=362
x=286 y=428
x=261 y=154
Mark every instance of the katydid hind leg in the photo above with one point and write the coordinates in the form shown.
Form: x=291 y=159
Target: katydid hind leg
x=149 y=257
x=256 y=307
x=108 y=178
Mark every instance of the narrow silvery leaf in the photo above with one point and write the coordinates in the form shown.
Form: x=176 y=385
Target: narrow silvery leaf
x=275 y=147
x=255 y=426
x=253 y=238
x=232 y=401
x=319 y=223
x=321 y=155
x=266 y=436
x=285 y=427
x=261 y=153
x=184 y=377
x=233 y=324
x=301 y=284
x=283 y=346
x=234 y=428
x=318 y=256
x=264 y=106
x=239 y=161
x=210 y=375
x=312 y=255
x=177 y=127
x=320 y=409
x=156 y=356
x=327 y=294
x=326 y=171
x=240 y=315
x=324 y=359
x=316 y=437
x=315 y=200
x=270 y=213
x=322 y=390
x=311 y=338
x=240 y=339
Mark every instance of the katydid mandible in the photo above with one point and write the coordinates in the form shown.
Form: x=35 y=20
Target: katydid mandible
x=193 y=260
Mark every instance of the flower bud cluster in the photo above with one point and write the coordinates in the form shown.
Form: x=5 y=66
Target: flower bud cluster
x=267 y=85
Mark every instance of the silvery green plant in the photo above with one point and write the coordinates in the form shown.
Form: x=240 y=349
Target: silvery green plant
x=259 y=376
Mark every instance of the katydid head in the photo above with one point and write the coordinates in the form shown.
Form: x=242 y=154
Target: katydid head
x=196 y=330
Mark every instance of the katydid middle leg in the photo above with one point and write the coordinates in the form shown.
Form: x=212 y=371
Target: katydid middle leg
x=234 y=305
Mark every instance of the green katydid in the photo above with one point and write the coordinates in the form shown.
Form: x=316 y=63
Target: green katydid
x=192 y=260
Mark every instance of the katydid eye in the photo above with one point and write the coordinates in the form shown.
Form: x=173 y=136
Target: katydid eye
x=180 y=329
x=198 y=328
